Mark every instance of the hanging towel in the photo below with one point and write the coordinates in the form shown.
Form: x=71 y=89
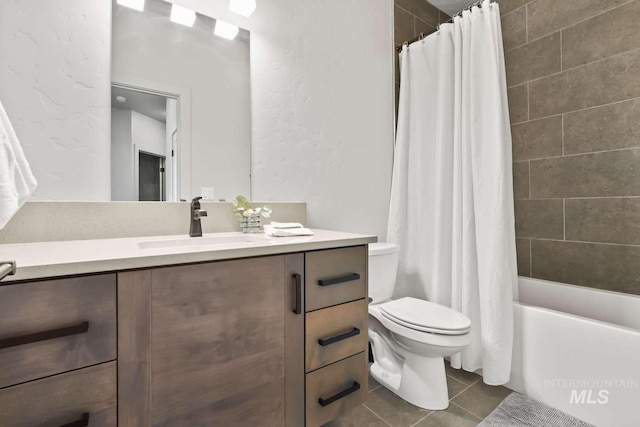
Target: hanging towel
x=286 y=232
x=17 y=183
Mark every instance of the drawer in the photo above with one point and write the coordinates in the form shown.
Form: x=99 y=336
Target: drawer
x=63 y=399
x=335 y=276
x=55 y=326
x=334 y=389
x=335 y=333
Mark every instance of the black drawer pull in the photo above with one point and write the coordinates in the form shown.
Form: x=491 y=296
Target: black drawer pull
x=326 y=341
x=348 y=278
x=44 y=336
x=344 y=393
x=297 y=293
x=82 y=422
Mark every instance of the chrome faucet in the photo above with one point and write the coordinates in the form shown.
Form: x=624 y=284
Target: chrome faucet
x=195 y=229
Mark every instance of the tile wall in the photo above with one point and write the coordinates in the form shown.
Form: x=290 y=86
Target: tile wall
x=573 y=77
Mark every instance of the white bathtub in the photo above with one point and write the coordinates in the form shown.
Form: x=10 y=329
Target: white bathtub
x=578 y=350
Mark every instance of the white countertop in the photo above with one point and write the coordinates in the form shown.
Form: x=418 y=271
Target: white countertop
x=64 y=258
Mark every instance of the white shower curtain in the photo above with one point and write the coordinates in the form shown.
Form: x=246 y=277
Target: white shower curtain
x=451 y=206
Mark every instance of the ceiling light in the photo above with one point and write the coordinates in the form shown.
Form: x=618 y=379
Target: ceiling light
x=182 y=15
x=133 y=4
x=121 y=99
x=225 y=30
x=242 y=7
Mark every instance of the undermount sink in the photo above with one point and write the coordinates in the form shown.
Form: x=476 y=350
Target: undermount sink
x=244 y=240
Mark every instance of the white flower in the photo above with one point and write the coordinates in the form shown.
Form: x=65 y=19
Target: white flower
x=248 y=213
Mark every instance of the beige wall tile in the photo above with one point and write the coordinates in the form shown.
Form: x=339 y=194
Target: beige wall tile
x=518 y=103
x=422 y=9
x=523 y=250
x=521 y=180
x=533 y=60
x=540 y=218
x=514 y=28
x=612 y=173
x=507 y=6
x=602 y=82
x=608 y=220
x=421 y=27
x=611 y=267
x=609 y=127
x=547 y=16
x=537 y=139
x=403 y=25
x=610 y=33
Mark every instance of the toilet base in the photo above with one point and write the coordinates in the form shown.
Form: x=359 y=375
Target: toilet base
x=422 y=381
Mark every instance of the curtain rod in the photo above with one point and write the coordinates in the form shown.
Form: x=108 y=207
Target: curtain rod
x=423 y=35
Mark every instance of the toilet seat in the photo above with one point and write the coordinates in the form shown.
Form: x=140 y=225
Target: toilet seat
x=425 y=316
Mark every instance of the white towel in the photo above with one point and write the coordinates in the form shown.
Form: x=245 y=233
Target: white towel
x=286 y=232
x=17 y=183
x=285 y=225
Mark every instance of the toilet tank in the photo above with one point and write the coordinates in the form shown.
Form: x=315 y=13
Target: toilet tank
x=383 y=266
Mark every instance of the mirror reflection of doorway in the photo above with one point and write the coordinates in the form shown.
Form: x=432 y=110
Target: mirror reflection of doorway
x=151 y=178
x=144 y=140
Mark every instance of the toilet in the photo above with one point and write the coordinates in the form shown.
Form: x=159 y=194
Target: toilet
x=410 y=337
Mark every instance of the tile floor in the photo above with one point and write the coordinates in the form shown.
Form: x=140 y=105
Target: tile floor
x=471 y=401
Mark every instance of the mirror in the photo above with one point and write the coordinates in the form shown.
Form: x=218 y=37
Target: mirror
x=112 y=103
x=180 y=112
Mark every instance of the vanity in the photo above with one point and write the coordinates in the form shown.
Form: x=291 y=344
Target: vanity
x=144 y=332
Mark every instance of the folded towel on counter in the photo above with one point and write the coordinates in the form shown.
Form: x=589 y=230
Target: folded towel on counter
x=286 y=232
x=283 y=225
x=17 y=183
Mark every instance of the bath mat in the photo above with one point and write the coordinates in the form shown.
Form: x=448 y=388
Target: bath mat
x=518 y=410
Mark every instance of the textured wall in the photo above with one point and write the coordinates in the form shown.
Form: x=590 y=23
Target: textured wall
x=573 y=71
x=322 y=109
x=54 y=84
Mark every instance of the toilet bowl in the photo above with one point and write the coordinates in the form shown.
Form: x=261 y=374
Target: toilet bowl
x=410 y=337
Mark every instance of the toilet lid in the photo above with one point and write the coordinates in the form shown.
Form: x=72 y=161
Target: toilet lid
x=426 y=316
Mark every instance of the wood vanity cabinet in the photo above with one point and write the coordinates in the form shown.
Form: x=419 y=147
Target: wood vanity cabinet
x=267 y=341
x=58 y=351
x=213 y=344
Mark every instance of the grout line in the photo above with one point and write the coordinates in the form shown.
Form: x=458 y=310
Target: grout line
x=466 y=410
x=584 y=198
x=414 y=15
x=528 y=104
x=530 y=258
x=465 y=389
x=579 y=110
x=577 y=154
x=580 y=21
x=564 y=219
x=375 y=388
x=561 y=66
x=373 y=412
x=562 y=119
x=581 y=65
x=529 y=178
x=526 y=22
x=422 y=419
x=583 y=242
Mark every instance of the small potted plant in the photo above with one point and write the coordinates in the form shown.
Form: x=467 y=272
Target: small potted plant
x=249 y=216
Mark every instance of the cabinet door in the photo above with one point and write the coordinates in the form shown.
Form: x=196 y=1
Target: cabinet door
x=214 y=349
